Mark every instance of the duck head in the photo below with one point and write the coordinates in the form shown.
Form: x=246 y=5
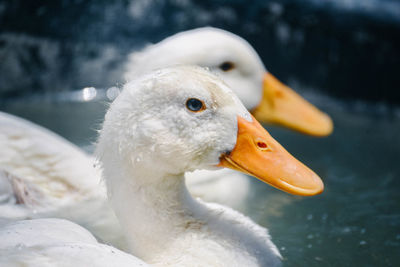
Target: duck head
x=183 y=118
x=235 y=61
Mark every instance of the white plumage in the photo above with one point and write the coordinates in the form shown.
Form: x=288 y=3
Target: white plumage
x=44 y=162
x=148 y=140
x=163 y=224
x=54 y=178
x=57 y=242
x=44 y=175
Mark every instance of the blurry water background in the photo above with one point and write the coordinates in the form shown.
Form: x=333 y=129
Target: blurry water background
x=61 y=61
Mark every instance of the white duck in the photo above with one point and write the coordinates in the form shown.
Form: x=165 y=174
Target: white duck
x=235 y=61
x=165 y=124
x=65 y=177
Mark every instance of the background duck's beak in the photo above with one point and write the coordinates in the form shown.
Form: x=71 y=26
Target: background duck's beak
x=281 y=105
x=258 y=154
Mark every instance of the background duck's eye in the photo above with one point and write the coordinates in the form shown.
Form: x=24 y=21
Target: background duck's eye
x=195 y=105
x=226 y=66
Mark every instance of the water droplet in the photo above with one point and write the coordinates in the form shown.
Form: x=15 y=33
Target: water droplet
x=362 y=231
x=283 y=248
x=138 y=159
x=318 y=258
x=309 y=246
x=346 y=230
x=309 y=217
x=310 y=236
x=362 y=242
x=398 y=236
x=324 y=216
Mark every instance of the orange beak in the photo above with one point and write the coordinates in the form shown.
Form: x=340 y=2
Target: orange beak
x=258 y=154
x=281 y=105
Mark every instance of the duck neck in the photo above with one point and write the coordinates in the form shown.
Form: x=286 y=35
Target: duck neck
x=153 y=209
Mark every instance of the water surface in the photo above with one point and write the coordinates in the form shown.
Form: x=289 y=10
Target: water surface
x=356 y=221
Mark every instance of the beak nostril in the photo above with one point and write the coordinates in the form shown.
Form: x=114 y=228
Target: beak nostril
x=261 y=145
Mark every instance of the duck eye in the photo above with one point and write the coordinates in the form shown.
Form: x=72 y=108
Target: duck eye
x=195 y=105
x=227 y=66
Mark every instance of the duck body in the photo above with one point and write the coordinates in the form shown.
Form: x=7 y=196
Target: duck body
x=43 y=175
x=56 y=242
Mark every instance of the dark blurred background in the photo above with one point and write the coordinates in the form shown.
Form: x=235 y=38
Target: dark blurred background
x=348 y=49
x=342 y=55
